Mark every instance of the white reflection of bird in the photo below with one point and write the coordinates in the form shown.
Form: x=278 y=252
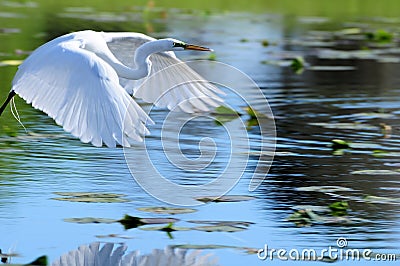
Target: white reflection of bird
x=108 y=256
x=80 y=80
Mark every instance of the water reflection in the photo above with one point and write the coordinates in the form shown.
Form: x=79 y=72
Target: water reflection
x=328 y=97
x=92 y=254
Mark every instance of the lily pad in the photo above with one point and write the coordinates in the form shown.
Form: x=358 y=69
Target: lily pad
x=365 y=145
x=271 y=153
x=79 y=9
x=378 y=153
x=313 y=20
x=338 y=54
x=224 y=114
x=324 y=189
x=331 y=68
x=210 y=246
x=10 y=62
x=91 y=197
x=339 y=205
x=165 y=228
x=279 y=63
x=115 y=236
x=248 y=250
x=304 y=217
x=339 y=208
x=382 y=153
x=353 y=126
x=314 y=208
x=167 y=210
x=343 y=220
x=92 y=200
x=388 y=59
x=128 y=221
x=221 y=223
x=265 y=43
x=386 y=130
x=312 y=43
x=254 y=114
x=223 y=110
x=132 y=222
x=212 y=57
x=380 y=36
x=375 y=172
x=168 y=229
x=219 y=228
x=9 y=30
x=375 y=115
x=339 y=144
x=158 y=220
x=227 y=198
x=349 y=31
x=251 y=123
x=89 y=220
x=380 y=200
x=89 y=194
x=298 y=64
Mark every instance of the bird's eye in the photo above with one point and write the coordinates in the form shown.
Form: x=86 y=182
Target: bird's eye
x=178 y=44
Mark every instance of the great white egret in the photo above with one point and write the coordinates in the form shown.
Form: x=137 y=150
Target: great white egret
x=82 y=80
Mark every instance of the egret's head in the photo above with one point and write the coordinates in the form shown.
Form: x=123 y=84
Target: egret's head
x=176 y=45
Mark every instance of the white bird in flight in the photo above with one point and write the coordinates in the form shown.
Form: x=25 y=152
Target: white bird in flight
x=107 y=255
x=83 y=81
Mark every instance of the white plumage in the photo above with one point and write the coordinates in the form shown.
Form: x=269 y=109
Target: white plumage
x=93 y=255
x=83 y=80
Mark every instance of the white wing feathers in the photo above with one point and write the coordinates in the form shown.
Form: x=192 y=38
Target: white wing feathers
x=82 y=93
x=175 y=85
x=171 y=83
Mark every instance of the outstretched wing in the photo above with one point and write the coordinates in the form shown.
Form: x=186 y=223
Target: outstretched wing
x=171 y=83
x=80 y=92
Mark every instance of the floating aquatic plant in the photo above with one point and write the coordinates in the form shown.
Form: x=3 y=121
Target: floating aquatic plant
x=339 y=144
x=132 y=222
x=91 y=197
x=167 y=210
x=226 y=198
x=380 y=35
x=265 y=43
x=10 y=62
x=298 y=64
x=339 y=208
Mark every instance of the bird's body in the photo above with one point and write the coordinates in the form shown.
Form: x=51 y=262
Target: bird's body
x=82 y=81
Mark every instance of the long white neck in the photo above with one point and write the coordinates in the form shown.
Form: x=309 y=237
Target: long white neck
x=141 y=60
